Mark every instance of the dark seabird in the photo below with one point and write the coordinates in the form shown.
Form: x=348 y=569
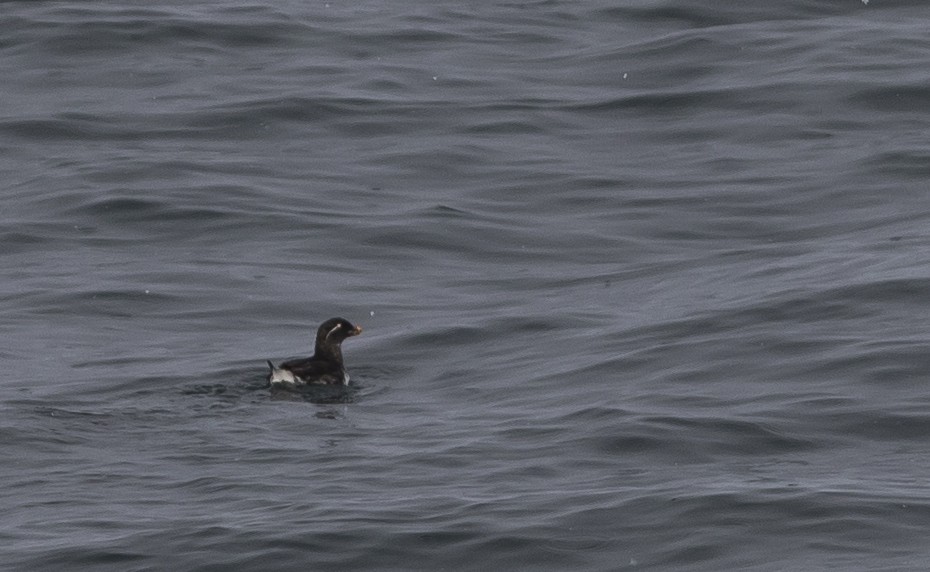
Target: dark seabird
x=325 y=366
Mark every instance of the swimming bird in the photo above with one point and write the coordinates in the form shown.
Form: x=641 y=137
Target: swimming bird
x=325 y=367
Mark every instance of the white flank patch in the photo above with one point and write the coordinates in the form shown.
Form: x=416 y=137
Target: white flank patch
x=279 y=375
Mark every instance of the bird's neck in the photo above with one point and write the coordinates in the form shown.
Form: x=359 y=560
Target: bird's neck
x=331 y=352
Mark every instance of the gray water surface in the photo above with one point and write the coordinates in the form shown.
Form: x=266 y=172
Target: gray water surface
x=643 y=287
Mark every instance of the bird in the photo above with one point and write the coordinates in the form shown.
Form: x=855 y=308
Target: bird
x=325 y=366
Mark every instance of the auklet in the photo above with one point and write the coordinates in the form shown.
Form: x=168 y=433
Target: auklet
x=325 y=367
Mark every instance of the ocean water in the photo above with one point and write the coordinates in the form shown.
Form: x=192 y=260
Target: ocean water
x=644 y=285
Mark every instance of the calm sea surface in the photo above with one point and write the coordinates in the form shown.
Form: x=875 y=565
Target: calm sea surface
x=645 y=285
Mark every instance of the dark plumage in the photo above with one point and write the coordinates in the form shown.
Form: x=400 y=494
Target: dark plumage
x=326 y=364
